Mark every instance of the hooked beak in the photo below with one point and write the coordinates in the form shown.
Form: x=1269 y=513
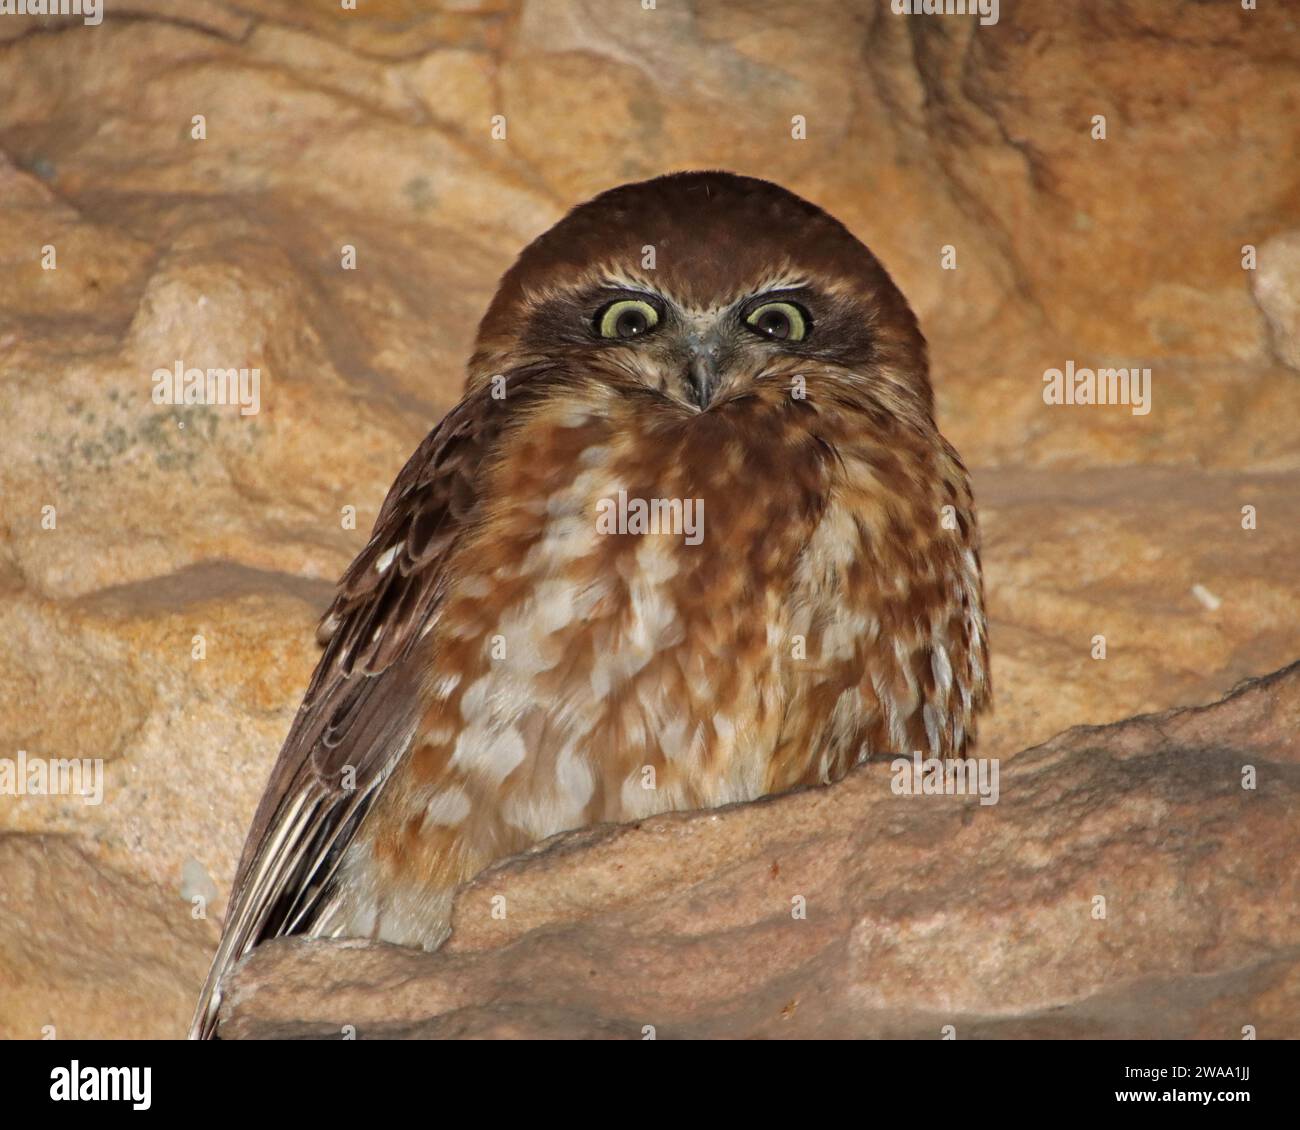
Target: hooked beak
x=702 y=366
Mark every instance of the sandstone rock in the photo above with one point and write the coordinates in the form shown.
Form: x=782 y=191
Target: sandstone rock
x=164 y=623
x=88 y=952
x=1277 y=290
x=1124 y=885
x=1119 y=555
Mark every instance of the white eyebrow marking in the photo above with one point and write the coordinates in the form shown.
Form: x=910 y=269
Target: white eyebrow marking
x=781 y=282
x=615 y=277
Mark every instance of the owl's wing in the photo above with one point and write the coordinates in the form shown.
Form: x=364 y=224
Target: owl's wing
x=362 y=707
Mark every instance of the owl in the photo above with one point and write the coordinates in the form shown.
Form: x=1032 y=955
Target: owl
x=690 y=537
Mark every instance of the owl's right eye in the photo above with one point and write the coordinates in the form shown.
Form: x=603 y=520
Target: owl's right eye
x=626 y=319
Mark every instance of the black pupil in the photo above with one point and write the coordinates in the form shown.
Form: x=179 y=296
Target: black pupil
x=631 y=322
x=774 y=323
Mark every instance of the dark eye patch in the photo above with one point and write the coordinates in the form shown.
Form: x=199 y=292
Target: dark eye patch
x=571 y=318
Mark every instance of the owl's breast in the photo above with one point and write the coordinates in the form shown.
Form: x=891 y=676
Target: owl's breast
x=610 y=641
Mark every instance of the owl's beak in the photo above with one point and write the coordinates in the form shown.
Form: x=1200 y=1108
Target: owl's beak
x=702 y=368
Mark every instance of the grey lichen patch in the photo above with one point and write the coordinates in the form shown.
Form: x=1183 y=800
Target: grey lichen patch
x=176 y=437
x=419 y=191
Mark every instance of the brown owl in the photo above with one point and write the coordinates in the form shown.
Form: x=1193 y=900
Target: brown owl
x=692 y=536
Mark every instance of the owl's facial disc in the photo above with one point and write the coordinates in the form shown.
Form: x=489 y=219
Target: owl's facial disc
x=695 y=355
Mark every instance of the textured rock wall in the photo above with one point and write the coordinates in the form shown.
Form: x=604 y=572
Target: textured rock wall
x=187 y=528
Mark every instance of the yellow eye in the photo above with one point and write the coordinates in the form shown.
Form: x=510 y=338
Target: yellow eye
x=627 y=318
x=781 y=321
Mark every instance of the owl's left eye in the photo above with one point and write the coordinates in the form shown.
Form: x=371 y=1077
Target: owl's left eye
x=780 y=321
x=627 y=318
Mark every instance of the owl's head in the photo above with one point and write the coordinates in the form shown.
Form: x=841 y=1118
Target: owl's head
x=698 y=285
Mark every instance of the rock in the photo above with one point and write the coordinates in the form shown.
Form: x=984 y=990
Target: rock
x=163 y=624
x=90 y=952
x=1124 y=885
x=1277 y=290
x=1077 y=560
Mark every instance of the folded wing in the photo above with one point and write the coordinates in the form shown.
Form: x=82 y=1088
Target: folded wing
x=362 y=707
